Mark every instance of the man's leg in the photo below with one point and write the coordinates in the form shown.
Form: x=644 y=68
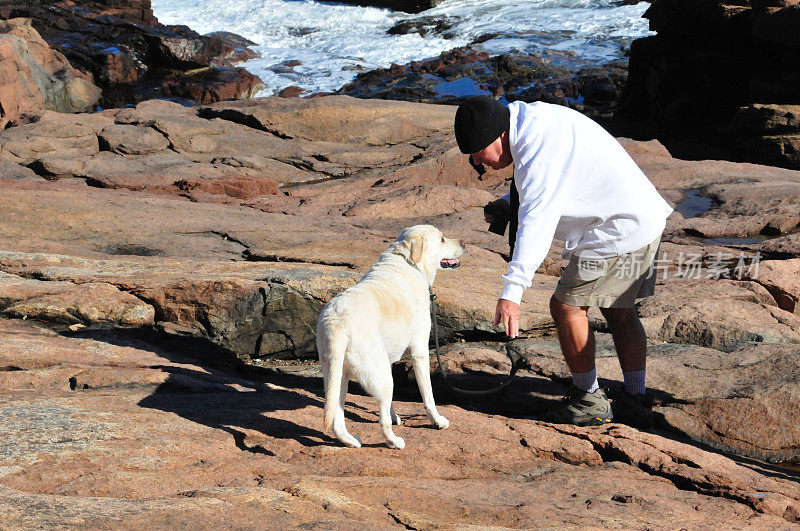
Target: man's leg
x=630 y=342
x=586 y=403
x=574 y=335
x=633 y=407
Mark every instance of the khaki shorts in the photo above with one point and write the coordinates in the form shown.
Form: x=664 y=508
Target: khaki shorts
x=614 y=282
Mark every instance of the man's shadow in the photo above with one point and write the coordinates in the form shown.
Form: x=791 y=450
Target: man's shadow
x=530 y=394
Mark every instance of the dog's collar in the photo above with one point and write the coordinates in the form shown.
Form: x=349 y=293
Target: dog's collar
x=415 y=266
x=407 y=259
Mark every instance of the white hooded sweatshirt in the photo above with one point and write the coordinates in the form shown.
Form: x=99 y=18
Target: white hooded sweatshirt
x=577 y=183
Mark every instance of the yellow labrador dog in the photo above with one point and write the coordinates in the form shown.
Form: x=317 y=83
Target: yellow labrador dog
x=386 y=314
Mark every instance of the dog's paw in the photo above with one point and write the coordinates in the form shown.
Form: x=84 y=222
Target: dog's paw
x=441 y=423
x=397 y=443
x=354 y=441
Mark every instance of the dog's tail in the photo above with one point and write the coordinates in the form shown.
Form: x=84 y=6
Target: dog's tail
x=336 y=345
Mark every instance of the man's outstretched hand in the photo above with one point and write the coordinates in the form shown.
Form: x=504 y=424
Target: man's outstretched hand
x=508 y=313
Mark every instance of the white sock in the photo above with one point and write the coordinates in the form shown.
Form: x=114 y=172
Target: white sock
x=634 y=382
x=586 y=381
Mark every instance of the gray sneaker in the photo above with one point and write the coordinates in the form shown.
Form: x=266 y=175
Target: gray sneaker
x=634 y=410
x=581 y=409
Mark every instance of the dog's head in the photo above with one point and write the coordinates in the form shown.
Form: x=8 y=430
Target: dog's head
x=425 y=247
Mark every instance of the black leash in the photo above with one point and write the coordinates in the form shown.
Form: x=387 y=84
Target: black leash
x=517 y=360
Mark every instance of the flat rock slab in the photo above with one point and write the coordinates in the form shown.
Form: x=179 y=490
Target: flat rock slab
x=745 y=199
x=132 y=140
x=370 y=122
x=92 y=303
x=247 y=308
x=201 y=446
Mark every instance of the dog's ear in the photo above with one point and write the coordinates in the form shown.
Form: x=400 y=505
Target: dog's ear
x=417 y=246
x=411 y=248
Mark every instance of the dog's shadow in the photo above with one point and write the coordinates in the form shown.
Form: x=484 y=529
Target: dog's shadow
x=238 y=411
x=212 y=387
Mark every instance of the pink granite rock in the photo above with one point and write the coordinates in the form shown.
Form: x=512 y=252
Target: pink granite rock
x=33 y=77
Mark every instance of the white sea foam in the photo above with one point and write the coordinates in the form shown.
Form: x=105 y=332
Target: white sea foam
x=334 y=41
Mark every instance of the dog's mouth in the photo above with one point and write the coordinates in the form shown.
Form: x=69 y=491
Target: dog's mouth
x=449 y=263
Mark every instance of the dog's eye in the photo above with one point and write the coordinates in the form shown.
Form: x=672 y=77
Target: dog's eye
x=442 y=239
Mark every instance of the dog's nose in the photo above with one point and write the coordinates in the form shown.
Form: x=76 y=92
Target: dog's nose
x=462 y=244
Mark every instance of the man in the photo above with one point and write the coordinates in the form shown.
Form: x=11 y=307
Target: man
x=574 y=181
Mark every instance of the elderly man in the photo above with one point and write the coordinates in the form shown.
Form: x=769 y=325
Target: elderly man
x=574 y=181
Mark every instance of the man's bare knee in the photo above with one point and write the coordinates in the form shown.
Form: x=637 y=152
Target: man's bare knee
x=561 y=311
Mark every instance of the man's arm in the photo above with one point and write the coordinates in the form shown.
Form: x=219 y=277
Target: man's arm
x=540 y=210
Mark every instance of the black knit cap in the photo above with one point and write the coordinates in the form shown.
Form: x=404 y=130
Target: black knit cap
x=480 y=121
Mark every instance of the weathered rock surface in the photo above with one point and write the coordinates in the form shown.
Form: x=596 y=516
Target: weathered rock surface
x=131 y=140
x=34 y=77
x=750 y=208
x=244 y=309
x=63 y=302
x=756 y=203
x=384 y=177
x=9 y=171
x=167 y=244
x=102 y=429
x=721 y=74
x=782 y=247
x=336 y=119
x=782 y=279
x=381 y=178
x=121 y=47
x=462 y=72
x=693 y=312
x=50 y=136
x=740 y=401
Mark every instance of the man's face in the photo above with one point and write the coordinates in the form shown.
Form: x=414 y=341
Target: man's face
x=496 y=155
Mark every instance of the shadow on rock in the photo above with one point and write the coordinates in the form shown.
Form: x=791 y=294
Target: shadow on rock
x=540 y=383
x=210 y=386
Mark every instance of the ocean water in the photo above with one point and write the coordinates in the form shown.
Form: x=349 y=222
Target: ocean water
x=333 y=42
